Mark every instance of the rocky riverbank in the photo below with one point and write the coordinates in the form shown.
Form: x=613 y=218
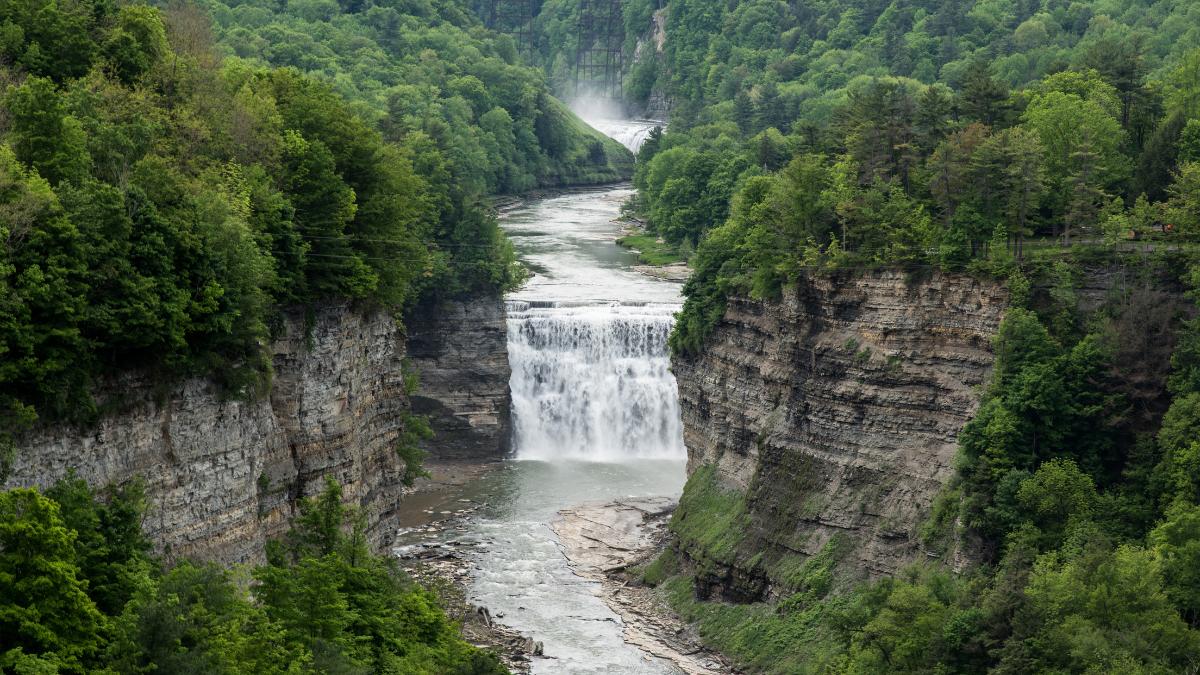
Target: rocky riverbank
x=604 y=542
x=440 y=506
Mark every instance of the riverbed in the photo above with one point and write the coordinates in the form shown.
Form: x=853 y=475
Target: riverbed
x=595 y=416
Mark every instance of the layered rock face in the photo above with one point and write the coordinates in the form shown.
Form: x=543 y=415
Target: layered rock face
x=835 y=411
x=224 y=476
x=460 y=353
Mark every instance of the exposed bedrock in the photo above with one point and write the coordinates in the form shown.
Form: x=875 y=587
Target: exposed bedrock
x=223 y=476
x=835 y=411
x=460 y=353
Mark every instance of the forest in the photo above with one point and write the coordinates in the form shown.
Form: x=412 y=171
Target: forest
x=172 y=180
x=1025 y=142
x=82 y=593
x=163 y=201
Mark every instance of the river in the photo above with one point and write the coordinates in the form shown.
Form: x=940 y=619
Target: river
x=595 y=417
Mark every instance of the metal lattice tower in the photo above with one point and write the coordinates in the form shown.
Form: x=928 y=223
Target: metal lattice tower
x=598 y=56
x=515 y=18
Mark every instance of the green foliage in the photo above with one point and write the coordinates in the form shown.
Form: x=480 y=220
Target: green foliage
x=710 y=519
x=160 y=207
x=947 y=136
x=45 y=612
x=651 y=250
x=430 y=70
x=81 y=594
x=416 y=429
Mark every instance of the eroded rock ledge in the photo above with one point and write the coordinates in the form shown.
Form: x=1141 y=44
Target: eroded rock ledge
x=460 y=352
x=223 y=476
x=835 y=410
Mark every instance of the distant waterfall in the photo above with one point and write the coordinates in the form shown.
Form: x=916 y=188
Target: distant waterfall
x=630 y=133
x=592 y=381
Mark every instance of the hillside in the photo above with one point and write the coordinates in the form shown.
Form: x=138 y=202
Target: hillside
x=842 y=514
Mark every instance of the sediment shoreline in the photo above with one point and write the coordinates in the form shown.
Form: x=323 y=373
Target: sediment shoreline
x=603 y=541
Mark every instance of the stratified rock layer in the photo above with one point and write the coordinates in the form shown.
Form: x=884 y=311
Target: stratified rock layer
x=224 y=476
x=836 y=409
x=460 y=353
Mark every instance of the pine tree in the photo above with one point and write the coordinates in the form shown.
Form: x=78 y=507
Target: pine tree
x=982 y=97
x=1086 y=196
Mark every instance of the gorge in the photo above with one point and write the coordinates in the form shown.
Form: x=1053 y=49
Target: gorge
x=373 y=336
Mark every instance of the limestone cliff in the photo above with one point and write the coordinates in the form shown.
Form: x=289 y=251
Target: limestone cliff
x=223 y=476
x=460 y=353
x=835 y=410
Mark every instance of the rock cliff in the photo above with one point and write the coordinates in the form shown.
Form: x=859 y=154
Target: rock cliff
x=834 y=411
x=460 y=353
x=223 y=476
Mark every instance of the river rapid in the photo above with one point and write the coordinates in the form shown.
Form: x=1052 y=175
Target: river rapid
x=595 y=417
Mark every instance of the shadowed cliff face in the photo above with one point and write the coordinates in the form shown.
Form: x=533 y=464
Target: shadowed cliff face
x=834 y=411
x=459 y=351
x=222 y=477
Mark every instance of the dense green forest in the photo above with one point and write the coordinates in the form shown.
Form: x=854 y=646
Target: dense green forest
x=1022 y=141
x=846 y=133
x=79 y=592
x=161 y=204
x=430 y=68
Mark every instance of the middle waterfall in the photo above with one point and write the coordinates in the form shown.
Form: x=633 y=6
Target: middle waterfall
x=593 y=381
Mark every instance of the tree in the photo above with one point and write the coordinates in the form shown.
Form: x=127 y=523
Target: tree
x=1177 y=543
x=42 y=276
x=880 y=137
x=1087 y=197
x=325 y=206
x=44 y=608
x=137 y=43
x=43 y=135
x=1025 y=179
x=111 y=550
x=949 y=169
x=934 y=116
x=1064 y=123
x=981 y=97
x=1183 y=204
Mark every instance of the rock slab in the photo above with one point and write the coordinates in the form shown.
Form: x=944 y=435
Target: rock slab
x=836 y=409
x=223 y=476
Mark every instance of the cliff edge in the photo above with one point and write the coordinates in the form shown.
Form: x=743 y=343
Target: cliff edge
x=224 y=476
x=828 y=416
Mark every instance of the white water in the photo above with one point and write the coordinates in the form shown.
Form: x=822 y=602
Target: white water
x=605 y=115
x=593 y=381
x=630 y=134
x=587 y=336
x=596 y=417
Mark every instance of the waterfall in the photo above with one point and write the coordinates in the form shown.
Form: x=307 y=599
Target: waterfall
x=630 y=133
x=593 y=381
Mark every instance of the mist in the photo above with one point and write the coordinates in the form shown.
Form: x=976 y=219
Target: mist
x=592 y=106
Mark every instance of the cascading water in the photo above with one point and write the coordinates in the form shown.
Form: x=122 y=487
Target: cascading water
x=630 y=135
x=593 y=381
x=587 y=336
x=595 y=409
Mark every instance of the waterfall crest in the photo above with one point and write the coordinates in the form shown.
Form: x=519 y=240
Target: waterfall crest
x=593 y=381
x=630 y=133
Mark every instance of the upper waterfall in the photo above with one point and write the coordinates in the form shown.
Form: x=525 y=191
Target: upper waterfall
x=630 y=133
x=587 y=336
x=593 y=381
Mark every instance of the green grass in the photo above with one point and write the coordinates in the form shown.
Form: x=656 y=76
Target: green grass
x=651 y=251
x=761 y=637
x=711 y=520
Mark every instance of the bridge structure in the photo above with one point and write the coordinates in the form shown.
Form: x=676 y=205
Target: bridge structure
x=597 y=63
x=598 y=55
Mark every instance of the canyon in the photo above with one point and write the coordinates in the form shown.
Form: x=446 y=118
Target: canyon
x=224 y=476
x=833 y=414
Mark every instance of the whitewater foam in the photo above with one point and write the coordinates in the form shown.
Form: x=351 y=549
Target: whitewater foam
x=593 y=381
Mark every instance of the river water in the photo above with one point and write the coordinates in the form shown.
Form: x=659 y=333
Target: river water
x=595 y=417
